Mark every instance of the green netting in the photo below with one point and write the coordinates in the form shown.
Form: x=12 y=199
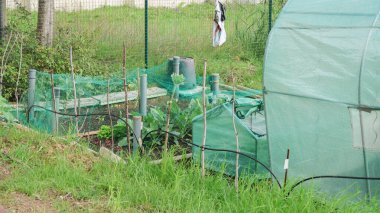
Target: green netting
x=94 y=101
x=322 y=87
x=220 y=135
x=92 y=98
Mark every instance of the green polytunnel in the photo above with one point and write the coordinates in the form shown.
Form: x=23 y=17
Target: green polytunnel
x=250 y=126
x=322 y=93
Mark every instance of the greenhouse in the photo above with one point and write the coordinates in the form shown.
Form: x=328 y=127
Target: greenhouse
x=322 y=99
x=250 y=125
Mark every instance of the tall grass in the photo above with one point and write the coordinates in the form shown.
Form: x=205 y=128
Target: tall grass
x=49 y=168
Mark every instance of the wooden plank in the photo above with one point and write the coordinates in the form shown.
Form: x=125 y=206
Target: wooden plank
x=88 y=133
x=114 y=98
x=175 y=158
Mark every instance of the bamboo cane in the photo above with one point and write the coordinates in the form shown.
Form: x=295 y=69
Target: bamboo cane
x=204 y=118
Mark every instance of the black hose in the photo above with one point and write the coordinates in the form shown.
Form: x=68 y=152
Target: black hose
x=84 y=115
x=218 y=150
x=213 y=149
x=330 y=176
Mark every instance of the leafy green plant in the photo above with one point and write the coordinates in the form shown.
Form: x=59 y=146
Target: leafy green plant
x=181 y=120
x=178 y=79
x=105 y=132
x=119 y=131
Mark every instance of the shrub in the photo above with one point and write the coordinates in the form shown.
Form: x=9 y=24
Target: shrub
x=22 y=29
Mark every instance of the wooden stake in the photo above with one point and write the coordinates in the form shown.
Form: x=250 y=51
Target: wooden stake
x=204 y=118
x=126 y=99
x=18 y=79
x=4 y=61
x=174 y=92
x=54 y=107
x=109 y=114
x=167 y=124
x=236 y=137
x=74 y=90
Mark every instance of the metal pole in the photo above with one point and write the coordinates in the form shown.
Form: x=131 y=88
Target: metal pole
x=146 y=34
x=31 y=92
x=143 y=94
x=176 y=61
x=270 y=16
x=137 y=126
x=55 y=121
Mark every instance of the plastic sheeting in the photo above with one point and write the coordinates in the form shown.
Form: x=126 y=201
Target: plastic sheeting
x=221 y=135
x=322 y=92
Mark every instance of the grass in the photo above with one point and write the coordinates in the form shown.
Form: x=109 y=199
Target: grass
x=70 y=179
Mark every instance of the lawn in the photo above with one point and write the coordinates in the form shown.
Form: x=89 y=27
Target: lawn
x=43 y=173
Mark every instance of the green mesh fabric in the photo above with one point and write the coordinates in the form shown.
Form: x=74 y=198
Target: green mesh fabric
x=220 y=135
x=92 y=99
x=321 y=80
x=91 y=92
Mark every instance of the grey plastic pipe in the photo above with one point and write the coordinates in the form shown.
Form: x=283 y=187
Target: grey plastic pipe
x=31 y=91
x=55 y=119
x=214 y=84
x=143 y=94
x=176 y=61
x=137 y=126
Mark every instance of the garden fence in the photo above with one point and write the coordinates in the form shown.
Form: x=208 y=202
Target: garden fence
x=174 y=27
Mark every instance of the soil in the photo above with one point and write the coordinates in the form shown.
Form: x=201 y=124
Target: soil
x=4 y=171
x=18 y=202
x=154 y=152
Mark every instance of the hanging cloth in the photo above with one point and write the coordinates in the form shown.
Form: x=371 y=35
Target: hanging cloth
x=219 y=35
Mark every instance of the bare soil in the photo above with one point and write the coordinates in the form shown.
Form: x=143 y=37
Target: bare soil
x=18 y=202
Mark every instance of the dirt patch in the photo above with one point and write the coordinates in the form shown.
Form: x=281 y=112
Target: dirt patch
x=18 y=202
x=5 y=171
x=3 y=210
x=5 y=167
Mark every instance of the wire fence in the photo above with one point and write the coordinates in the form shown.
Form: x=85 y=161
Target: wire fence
x=97 y=30
x=175 y=27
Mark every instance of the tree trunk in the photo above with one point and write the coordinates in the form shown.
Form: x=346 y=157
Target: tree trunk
x=45 y=22
x=3 y=19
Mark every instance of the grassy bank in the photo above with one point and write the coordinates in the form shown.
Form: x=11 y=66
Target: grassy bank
x=48 y=174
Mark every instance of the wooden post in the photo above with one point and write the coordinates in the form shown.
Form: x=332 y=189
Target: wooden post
x=126 y=99
x=109 y=114
x=204 y=118
x=236 y=138
x=18 y=79
x=4 y=60
x=74 y=91
x=167 y=124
